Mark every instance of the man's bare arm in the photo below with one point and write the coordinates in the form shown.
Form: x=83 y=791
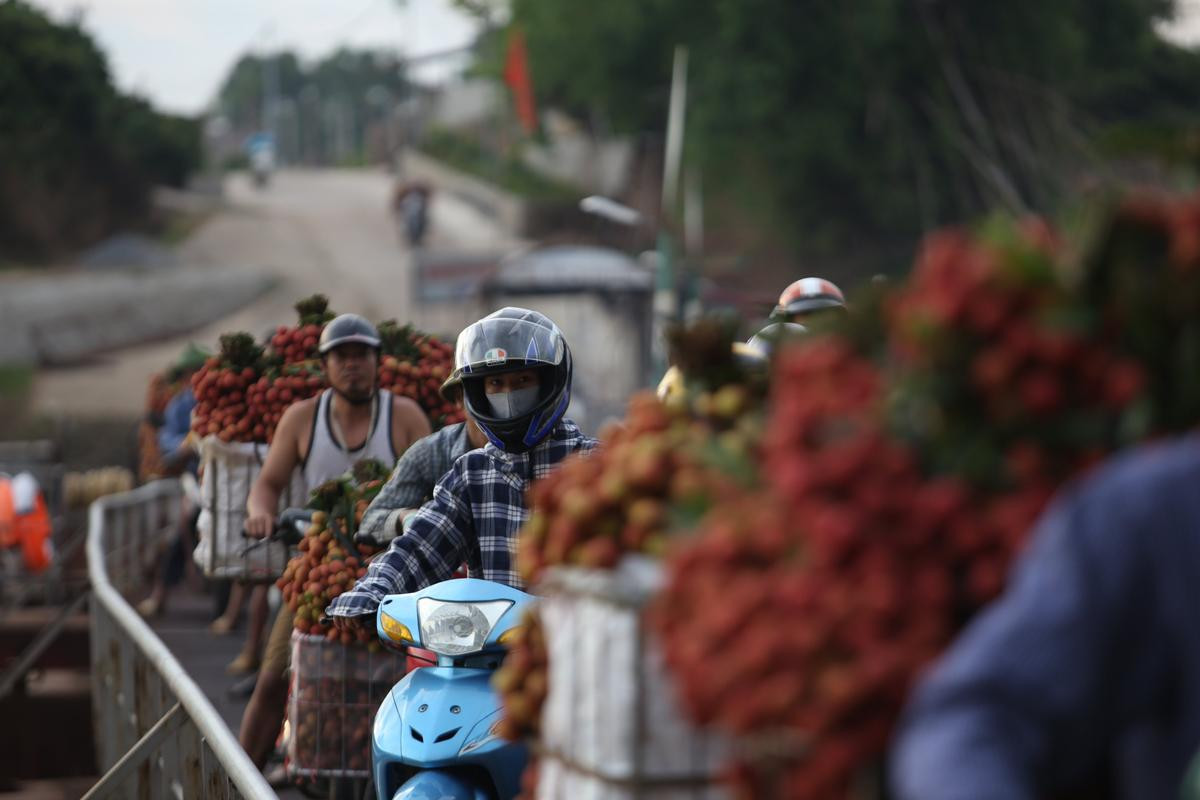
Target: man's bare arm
x=276 y=474
x=409 y=424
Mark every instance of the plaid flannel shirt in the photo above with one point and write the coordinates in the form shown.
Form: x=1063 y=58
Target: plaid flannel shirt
x=474 y=517
x=412 y=481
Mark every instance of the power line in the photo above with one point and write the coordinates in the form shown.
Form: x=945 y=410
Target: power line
x=357 y=18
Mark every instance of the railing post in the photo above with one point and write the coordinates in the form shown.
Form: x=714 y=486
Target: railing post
x=143 y=711
x=159 y=702
x=98 y=641
x=135 y=519
x=133 y=528
x=190 y=760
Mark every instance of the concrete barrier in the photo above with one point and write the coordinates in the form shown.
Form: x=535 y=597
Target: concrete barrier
x=519 y=216
x=62 y=319
x=509 y=210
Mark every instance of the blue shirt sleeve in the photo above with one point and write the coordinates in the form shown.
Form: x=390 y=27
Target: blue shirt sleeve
x=1036 y=688
x=408 y=487
x=177 y=421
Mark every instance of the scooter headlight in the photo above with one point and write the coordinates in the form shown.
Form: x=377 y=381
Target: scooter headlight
x=458 y=629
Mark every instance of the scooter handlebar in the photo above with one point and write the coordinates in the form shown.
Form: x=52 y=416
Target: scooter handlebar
x=362 y=537
x=291 y=525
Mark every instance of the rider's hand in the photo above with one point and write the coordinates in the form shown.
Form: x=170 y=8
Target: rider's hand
x=352 y=624
x=259 y=526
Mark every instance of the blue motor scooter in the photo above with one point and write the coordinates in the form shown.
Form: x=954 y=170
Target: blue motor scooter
x=435 y=733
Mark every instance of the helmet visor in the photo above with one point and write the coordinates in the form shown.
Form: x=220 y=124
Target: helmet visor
x=507 y=344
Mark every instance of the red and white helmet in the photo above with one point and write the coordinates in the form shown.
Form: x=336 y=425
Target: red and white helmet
x=806 y=296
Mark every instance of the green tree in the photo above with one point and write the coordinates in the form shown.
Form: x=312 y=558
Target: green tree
x=79 y=157
x=338 y=95
x=869 y=122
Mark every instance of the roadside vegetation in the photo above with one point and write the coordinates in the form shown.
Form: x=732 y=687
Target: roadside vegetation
x=843 y=127
x=79 y=157
x=467 y=155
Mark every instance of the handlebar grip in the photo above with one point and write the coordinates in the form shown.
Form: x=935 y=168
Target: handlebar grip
x=289 y=525
x=286 y=534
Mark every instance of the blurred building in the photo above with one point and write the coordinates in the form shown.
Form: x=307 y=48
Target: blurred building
x=600 y=298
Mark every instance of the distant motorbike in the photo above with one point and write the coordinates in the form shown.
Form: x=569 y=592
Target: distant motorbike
x=410 y=204
x=262 y=164
x=436 y=734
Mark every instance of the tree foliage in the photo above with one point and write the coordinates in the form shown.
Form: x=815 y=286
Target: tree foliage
x=314 y=103
x=79 y=158
x=877 y=119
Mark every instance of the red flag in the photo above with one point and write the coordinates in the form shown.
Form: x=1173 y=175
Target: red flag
x=516 y=75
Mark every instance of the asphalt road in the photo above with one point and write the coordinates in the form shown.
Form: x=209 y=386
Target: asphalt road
x=312 y=231
x=324 y=231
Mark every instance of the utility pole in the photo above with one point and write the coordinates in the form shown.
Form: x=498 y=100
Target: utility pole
x=666 y=297
x=676 y=114
x=270 y=79
x=693 y=238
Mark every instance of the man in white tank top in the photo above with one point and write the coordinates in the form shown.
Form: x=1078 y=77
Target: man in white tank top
x=327 y=434
x=323 y=436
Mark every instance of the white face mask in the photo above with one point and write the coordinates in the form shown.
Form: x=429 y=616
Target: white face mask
x=509 y=405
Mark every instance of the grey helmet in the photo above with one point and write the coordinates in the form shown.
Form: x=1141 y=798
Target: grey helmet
x=348 y=329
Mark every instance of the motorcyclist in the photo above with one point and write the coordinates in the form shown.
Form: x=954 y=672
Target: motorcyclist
x=324 y=436
x=178 y=457
x=410 y=204
x=751 y=357
x=808 y=298
x=262 y=164
x=516 y=371
x=411 y=483
x=1086 y=666
x=319 y=434
x=771 y=336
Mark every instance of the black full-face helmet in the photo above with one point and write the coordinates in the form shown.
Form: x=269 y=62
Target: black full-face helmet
x=511 y=340
x=348 y=329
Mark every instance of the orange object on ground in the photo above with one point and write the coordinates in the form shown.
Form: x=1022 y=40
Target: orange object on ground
x=25 y=521
x=8 y=528
x=34 y=530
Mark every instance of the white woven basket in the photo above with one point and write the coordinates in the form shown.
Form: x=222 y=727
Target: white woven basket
x=223 y=552
x=611 y=725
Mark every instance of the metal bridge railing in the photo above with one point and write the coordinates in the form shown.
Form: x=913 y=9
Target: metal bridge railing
x=157 y=735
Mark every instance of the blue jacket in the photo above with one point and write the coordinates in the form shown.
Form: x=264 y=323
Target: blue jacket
x=177 y=421
x=1091 y=655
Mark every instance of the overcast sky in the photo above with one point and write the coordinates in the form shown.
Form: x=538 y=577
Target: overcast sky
x=1185 y=29
x=177 y=52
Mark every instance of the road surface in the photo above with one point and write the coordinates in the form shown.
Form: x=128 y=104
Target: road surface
x=314 y=231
